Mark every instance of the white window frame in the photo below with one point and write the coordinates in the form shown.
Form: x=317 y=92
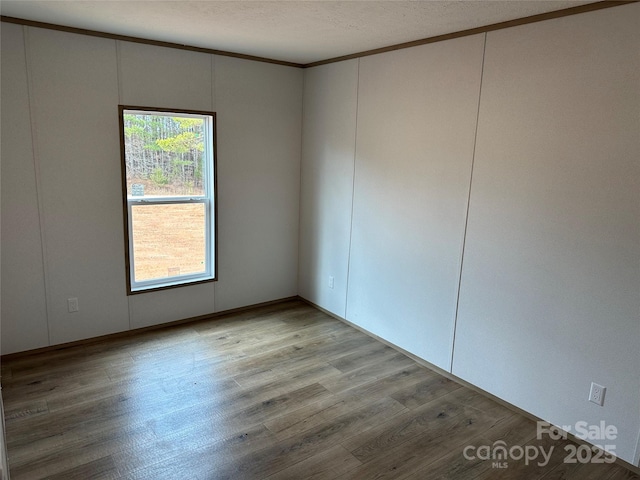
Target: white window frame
x=208 y=200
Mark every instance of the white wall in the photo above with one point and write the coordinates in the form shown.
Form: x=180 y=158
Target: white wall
x=259 y=126
x=414 y=150
x=148 y=77
x=329 y=133
x=62 y=226
x=22 y=265
x=74 y=96
x=550 y=292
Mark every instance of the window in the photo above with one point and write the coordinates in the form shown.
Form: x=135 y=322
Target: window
x=168 y=183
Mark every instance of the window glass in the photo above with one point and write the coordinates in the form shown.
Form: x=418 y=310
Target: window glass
x=168 y=161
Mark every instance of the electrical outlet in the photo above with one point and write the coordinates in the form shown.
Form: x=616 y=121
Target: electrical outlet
x=72 y=303
x=596 y=395
x=330 y=281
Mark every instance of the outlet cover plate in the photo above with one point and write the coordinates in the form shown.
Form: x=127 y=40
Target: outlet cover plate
x=596 y=394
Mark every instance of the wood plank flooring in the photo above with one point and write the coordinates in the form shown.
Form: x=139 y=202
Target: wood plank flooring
x=277 y=392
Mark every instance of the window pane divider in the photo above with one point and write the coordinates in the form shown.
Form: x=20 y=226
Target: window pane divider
x=168 y=200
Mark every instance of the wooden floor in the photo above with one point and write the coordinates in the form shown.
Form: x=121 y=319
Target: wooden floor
x=278 y=392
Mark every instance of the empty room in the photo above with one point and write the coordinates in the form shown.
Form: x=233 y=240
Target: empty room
x=320 y=239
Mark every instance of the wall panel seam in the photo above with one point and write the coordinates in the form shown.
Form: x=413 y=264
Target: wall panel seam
x=35 y=153
x=118 y=45
x=119 y=70
x=300 y=220
x=466 y=220
x=353 y=190
x=214 y=71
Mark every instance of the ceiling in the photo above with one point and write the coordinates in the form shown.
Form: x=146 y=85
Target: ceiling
x=299 y=31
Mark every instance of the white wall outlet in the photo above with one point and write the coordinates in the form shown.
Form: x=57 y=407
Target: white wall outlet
x=72 y=303
x=596 y=395
x=330 y=281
